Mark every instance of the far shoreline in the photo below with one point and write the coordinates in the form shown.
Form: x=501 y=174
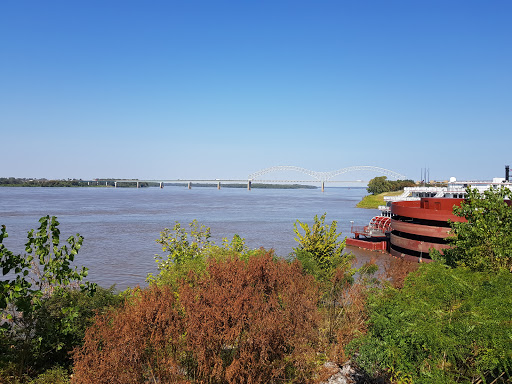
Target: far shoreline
x=374 y=201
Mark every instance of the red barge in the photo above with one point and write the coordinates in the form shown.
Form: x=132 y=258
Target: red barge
x=417 y=221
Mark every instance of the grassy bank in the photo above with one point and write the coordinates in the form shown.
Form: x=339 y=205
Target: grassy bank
x=373 y=201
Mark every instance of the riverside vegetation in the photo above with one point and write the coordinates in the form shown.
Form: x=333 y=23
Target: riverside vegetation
x=228 y=314
x=379 y=187
x=374 y=201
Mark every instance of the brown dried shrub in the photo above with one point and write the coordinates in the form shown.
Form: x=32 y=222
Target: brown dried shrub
x=251 y=321
x=352 y=320
x=345 y=313
x=134 y=344
x=397 y=269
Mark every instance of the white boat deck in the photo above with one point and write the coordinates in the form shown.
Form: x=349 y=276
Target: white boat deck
x=455 y=189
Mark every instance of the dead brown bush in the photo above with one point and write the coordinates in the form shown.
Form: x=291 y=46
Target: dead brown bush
x=138 y=343
x=344 y=310
x=252 y=322
x=397 y=269
x=249 y=321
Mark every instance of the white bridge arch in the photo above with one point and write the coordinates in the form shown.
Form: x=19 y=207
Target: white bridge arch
x=325 y=176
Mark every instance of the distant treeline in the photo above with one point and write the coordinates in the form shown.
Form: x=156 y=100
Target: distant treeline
x=24 y=182
x=20 y=182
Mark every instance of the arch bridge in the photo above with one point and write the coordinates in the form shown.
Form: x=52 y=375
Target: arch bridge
x=326 y=176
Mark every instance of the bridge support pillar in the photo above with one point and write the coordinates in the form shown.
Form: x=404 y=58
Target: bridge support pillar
x=115 y=184
x=218 y=185
x=249 y=185
x=138 y=184
x=323 y=186
x=189 y=185
x=161 y=184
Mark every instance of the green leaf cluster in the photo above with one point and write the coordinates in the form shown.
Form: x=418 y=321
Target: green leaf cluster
x=381 y=184
x=320 y=249
x=62 y=320
x=30 y=280
x=45 y=267
x=445 y=326
x=484 y=242
x=188 y=250
x=55 y=375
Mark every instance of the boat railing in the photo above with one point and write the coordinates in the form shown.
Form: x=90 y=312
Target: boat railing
x=377 y=227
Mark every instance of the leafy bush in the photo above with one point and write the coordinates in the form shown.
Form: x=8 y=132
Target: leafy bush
x=248 y=320
x=444 y=326
x=56 y=333
x=484 y=242
x=189 y=251
x=54 y=375
x=320 y=250
x=45 y=270
x=343 y=288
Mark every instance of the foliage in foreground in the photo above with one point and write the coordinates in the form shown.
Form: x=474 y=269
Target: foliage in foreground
x=212 y=313
x=445 y=326
x=249 y=320
x=484 y=242
x=55 y=375
x=30 y=335
x=343 y=296
x=320 y=251
x=54 y=334
x=186 y=251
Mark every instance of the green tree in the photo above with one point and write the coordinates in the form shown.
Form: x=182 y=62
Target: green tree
x=320 y=250
x=378 y=185
x=484 y=242
x=45 y=269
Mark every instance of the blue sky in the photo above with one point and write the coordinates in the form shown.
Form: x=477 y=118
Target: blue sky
x=221 y=89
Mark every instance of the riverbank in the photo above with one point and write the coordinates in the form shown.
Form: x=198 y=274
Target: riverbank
x=373 y=201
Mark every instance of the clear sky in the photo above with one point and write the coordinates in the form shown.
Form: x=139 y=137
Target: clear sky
x=221 y=89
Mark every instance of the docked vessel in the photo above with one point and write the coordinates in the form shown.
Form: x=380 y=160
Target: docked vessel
x=417 y=221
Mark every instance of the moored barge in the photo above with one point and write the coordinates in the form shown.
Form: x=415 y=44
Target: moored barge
x=418 y=220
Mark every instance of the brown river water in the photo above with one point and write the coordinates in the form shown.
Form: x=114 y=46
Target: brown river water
x=120 y=225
